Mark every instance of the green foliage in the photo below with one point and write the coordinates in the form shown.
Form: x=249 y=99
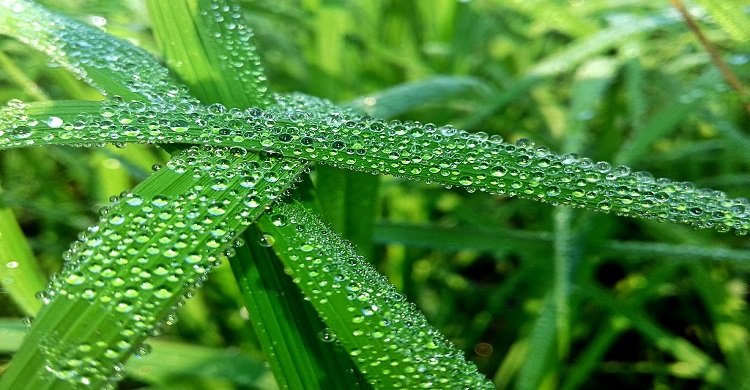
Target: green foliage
x=546 y=296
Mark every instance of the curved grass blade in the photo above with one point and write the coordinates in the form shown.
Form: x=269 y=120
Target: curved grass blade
x=213 y=53
x=287 y=326
x=403 y=98
x=112 y=65
x=389 y=340
x=21 y=277
x=130 y=270
x=441 y=154
x=731 y=16
x=210 y=48
x=167 y=360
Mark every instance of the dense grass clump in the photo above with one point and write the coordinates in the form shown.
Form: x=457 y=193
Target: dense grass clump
x=368 y=210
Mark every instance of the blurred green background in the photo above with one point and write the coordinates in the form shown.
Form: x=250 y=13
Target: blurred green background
x=538 y=296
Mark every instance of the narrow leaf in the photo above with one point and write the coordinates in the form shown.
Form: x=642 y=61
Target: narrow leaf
x=731 y=16
x=21 y=277
x=403 y=98
x=114 y=66
x=126 y=273
x=288 y=328
x=209 y=46
x=389 y=340
x=444 y=154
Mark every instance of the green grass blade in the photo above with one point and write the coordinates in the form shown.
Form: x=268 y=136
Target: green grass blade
x=571 y=56
x=21 y=277
x=422 y=152
x=167 y=361
x=131 y=269
x=617 y=32
x=403 y=98
x=731 y=16
x=541 y=348
x=112 y=65
x=297 y=352
x=389 y=340
x=665 y=120
x=454 y=239
x=348 y=202
x=12 y=332
x=18 y=77
x=208 y=45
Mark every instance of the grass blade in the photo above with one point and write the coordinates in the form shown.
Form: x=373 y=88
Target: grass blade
x=348 y=202
x=423 y=152
x=564 y=60
x=114 y=66
x=403 y=98
x=167 y=361
x=288 y=328
x=211 y=49
x=454 y=239
x=389 y=340
x=731 y=16
x=132 y=268
x=664 y=121
x=21 y=276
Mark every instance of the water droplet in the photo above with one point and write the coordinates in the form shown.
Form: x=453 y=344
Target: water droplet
x=54 y=122
x=279 y=220
x=465 y=180
x=266 y=240
x=326 y=335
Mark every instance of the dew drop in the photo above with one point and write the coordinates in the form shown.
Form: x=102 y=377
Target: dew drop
x=22 y=132
x=267 y=240
x=54 y=122
x=498 y=171
x=465 y=180
x=193 y=259
x=162 y=293
x=327 y=336
x=279 y=220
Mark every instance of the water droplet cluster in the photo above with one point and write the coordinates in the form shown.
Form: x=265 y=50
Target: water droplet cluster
x=238 y=60
x=313 y=129
x=391 y=341
x=150 y=248
x=85 y=50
